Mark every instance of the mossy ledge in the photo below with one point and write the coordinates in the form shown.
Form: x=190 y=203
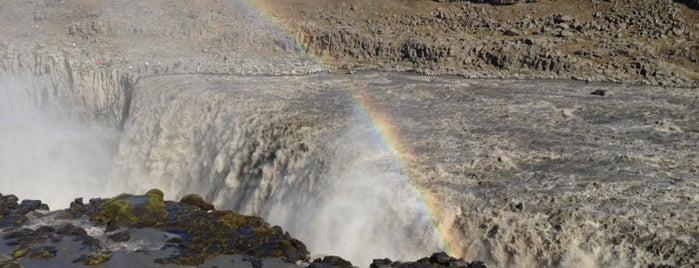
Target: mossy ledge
x=199 y=232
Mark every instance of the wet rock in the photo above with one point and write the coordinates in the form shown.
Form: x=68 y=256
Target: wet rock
x=10 y=263
x=197 y=201
x=195 y=232
x=24 y=232
x=598 y=92
x=440 y=259
x=120 y=236
x=12 y=221
x=94 y=259
x=7 y=203
x=330 y=261
x=203 y=232
x=35 y=252
x=31 y=205
x=89 y=242
x=70 y=229
x=381 y=263
x=127 y=210
x=26 y=237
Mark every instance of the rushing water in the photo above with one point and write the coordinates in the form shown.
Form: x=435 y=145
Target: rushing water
x=526 y=172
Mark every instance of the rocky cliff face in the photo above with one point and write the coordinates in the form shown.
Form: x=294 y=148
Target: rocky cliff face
x=649 y=42
x=103 y=92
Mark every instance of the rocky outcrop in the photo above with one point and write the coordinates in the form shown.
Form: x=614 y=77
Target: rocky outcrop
x=102 y=92
x=194 y=234
x=601 y=44
x=440 y=259
x=187 y=233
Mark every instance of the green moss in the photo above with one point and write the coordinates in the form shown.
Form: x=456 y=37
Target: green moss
x=156 y=192
x=197 y=201
x=127 y=210
x=93 y=259
x=18 y=253
x=99 y=259
x=236 y=221
x=11 y=263
x=35 y=252
x=116 y=210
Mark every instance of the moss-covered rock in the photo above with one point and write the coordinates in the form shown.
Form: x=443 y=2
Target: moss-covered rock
x=10 y=263
x=35 y=252
x=197 y=201
x=200 y=232
x=236 y=221
x=94 y=259
x=128 y=210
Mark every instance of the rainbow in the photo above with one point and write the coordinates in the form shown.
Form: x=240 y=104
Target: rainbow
x=387 y=133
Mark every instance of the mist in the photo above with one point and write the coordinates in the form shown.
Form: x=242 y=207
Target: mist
x=363 y=208
x=47 y=151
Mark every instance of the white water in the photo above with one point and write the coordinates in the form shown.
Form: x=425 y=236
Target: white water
x=300 y=159
x=248 y=146
x=47 y=153
x=364 y=208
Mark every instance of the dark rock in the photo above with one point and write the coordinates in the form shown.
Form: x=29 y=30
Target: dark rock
x=7 y=203
x=440 y=258
x=95 y=201
x=493 y=231
x=31 y=205
x=18 y=234
x=330 y=261
x=13 y=221
x=70 y=229
x=379 y=263
x=203 y=232
x=35 y=252
x=598 y=92
x=120 y=236
x=94 y=259
x=690 y=3
x=477 y=264
x=10 y=263
x=89 y=242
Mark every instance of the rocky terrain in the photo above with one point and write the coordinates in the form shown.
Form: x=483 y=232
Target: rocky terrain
x=144 y=230
x=649 y=42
